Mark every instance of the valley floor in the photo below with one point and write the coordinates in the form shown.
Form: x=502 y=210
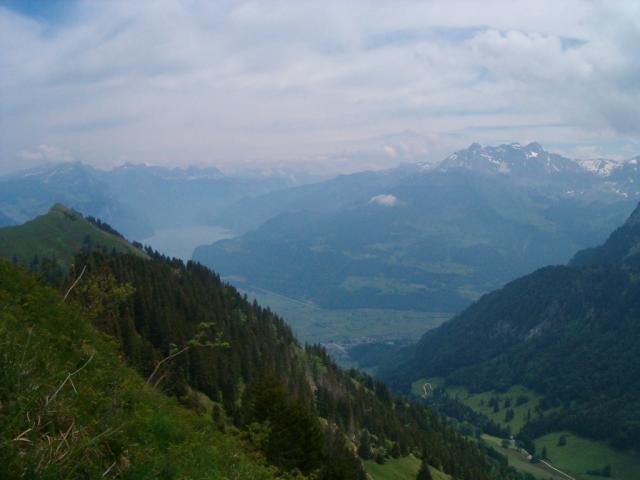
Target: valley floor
x=572 y=460
x=340 y=329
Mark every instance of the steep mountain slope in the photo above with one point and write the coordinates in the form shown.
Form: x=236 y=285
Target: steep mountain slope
x=569 y=333
x=58 y=235
x=198 y=339
x=72 y=409
x=429 y=239
x=621 y=249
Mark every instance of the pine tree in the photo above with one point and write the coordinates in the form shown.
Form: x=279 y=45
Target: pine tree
x=364 y=450
x=425 y=472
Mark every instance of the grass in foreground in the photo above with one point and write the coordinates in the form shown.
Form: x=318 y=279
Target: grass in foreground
x=70 y=408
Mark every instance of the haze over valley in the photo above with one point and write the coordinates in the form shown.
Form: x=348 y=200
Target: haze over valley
x=362 y=240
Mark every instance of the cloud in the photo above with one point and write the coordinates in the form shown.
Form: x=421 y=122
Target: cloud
x=46 y=153
x=385 y=200
x=262 y=83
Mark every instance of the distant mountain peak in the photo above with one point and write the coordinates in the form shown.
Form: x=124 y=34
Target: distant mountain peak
x=190 y=172
x=530 y=159
x=602 y=167
x=59 y=207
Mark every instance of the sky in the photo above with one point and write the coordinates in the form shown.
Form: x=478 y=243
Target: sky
x=323 y=86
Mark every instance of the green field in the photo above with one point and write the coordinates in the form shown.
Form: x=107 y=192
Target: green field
x=520 y=461
x=480 y=402
x=405 y=468
x=580 y=455
x=347 y=326
x=576 y=458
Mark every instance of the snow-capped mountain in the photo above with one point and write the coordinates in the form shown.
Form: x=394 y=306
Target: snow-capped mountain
x=512 y=159
x=532 y=165
x=602 y=167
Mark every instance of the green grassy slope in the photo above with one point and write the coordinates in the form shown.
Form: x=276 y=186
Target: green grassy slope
x=404 y=468
x=523 y=401
x=103 y=421
x=59 y=235
x=520 y=461
x=579 y=456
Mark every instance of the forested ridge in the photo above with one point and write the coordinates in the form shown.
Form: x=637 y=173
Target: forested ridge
x=70 y=408
x=568 y=332
x=243 y=352
x=197 y=339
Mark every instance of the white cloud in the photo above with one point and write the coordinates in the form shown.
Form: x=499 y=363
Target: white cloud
x=280 y=82
x=385 y=200
x=46 y=153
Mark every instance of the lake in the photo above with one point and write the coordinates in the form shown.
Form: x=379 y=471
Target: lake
x=181 y=241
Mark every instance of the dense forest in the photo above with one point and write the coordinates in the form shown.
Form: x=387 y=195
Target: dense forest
x=569 y=333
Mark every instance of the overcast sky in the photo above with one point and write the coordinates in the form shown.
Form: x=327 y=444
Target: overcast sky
x=332 y=85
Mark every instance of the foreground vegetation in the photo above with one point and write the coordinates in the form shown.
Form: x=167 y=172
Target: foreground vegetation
x=71 y=409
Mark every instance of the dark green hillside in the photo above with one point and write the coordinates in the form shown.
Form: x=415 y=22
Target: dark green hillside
x=622 y=248
x=104 y=422
x=569 y=333
x=58 y=235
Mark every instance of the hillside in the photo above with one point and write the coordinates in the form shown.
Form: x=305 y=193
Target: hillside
x=103 y=421
x=58 y=235
x=568 y=333
x=198 y=340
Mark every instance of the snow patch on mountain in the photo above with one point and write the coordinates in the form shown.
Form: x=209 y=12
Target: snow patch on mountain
x=600 y=166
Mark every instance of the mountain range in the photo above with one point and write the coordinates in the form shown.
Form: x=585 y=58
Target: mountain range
x=136 y=199
x=424 y=237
